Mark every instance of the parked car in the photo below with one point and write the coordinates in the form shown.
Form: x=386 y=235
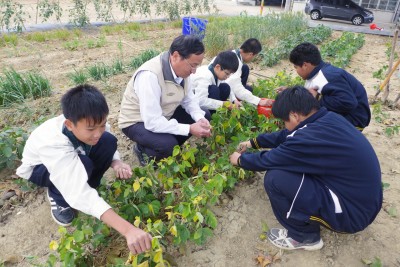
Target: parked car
x=338 y=9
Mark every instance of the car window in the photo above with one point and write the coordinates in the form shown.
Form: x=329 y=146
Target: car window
x=352 y=4
x=328 y=2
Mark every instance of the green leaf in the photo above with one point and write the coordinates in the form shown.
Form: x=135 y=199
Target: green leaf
x=211 y=220
x=79 y=236
x=7 y=151
x=176 y=151
x=198 y=233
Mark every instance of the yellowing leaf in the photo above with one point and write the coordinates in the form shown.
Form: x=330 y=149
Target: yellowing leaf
x=169 y=214
x=149 y=182
x=205 y=168
x=144 y=264
x=157 y=257
x=141 y=179
x=136 y=186
x=53 y=245
x=173 y=231
x=117 y=191
x=136 y=222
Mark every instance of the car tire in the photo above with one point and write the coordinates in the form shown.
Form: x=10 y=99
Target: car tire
x=357 y=20
x=315 y=14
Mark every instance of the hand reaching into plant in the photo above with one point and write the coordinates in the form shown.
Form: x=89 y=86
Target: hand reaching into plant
x=138 y=241
x=243 y=146
x=201 y=128
x=121 y=169
x=265 y=102
x=234 y=158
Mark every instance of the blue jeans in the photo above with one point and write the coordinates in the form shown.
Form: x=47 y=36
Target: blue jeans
x=96 y=164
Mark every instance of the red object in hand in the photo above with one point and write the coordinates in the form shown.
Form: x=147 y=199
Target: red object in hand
x=374 y=27
x=265 y=110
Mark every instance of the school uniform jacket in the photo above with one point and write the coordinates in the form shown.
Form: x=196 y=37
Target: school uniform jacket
x=201 y=80
x=327 y=147
x=341 y=92
x=47 y=145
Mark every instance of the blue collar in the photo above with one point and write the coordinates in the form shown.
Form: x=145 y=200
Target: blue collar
x=75 y=142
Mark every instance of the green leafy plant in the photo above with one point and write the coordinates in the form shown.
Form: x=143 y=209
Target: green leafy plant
x=78 y=77
x=142 y=58
x=16 y=87
x=12 y=16
x=339 y=51
x=12 y=142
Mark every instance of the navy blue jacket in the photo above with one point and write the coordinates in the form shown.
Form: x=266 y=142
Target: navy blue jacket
x=343 y=94
x=328 y=148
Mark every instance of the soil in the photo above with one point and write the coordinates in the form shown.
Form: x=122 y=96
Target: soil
x=26 y=224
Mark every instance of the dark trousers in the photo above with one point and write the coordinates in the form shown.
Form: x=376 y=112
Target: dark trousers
x=96 y=164
x=245 y=76
x=313 y=205
x=160 y=145
x=220 y=92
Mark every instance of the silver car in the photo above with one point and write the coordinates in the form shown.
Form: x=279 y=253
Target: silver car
x=338 y=9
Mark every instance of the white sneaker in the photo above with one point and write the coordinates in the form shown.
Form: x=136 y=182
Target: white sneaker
x=279 y=238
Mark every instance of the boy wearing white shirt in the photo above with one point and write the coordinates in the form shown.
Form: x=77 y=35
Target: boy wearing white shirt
x=209 y=86
x=69 y=155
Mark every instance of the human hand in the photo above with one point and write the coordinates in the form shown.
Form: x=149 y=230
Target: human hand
x=138 y=241
x=265 y=102
x=280 y=89
x=201 y=128
x=237 y=103
x=234 y=158
x=121 y=169
x=243 y=146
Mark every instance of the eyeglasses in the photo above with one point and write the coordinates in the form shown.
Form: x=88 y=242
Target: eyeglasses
x=227 y=73
x=191 y=66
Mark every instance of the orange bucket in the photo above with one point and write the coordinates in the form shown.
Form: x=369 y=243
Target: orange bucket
x=265 y=110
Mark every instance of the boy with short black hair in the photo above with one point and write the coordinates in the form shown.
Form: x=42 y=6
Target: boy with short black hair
x=335 y=88
x=321 y=171
x=69 y=155
x=208 y=85
x=238 y=80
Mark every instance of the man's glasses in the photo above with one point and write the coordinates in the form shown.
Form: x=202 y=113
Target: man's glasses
x=191 y=66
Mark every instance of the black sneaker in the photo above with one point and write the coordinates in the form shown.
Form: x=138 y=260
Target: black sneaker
x=138 y=150
x=61 y=215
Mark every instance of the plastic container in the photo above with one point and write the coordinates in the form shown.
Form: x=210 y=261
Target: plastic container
x=194 y=26
x=265 y=110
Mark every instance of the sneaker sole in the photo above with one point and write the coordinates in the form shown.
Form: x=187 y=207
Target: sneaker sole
x=51 y=212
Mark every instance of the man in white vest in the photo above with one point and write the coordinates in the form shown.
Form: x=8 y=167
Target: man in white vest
x=158 y=108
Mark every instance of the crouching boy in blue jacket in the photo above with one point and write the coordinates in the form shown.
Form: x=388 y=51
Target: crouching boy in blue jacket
x=70 y=153
x=320 y=171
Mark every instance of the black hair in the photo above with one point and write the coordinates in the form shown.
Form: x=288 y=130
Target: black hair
x=227 y=60
x=84 y=102
x=186 y=45
x=294 y=99
x=251 y=45
x=305 y=52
